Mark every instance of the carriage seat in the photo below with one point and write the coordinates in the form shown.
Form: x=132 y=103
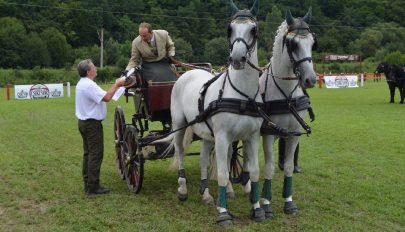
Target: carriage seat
x=157 y=97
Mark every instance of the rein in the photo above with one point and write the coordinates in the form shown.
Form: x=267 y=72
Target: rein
x=289 y=101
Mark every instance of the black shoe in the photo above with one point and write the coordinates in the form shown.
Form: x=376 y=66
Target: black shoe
x=98 y=190
x=297 y=169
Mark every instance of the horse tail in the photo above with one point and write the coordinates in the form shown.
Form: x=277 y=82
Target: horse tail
x=188 y=139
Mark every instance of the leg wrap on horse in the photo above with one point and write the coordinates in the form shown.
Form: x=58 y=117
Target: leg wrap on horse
x=287 y=186
x=244 y=178
x=266 y=191
x=182 y=173
x=254 y=193
x=203 y=186
x=222 y=197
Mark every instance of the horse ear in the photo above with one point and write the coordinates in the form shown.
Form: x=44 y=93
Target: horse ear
x=255 y=8
x=234 y=8
x=308 y=16
x=289 y=18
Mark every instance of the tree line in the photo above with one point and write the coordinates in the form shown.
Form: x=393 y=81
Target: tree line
x=57 y=33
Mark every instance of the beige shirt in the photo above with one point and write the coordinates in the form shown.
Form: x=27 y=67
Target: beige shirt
x=162 y=47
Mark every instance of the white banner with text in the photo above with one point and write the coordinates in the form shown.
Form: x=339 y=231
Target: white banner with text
x=344 y=81
x=38 y=91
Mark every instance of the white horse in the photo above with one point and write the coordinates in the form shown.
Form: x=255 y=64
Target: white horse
x=222 y=125
x=289 y=72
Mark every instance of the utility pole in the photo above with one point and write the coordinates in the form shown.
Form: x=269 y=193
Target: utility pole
x=101 y=38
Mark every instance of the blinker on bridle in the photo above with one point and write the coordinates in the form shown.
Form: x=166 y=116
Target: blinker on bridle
x=243 y=15
x=292 y=45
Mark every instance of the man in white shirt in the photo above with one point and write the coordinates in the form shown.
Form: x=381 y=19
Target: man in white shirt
x=91 y=110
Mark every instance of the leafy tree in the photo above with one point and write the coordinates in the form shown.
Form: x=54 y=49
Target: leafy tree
x=184 y=51
x=111 y=52
x=216 y=51
x=270 y=26
x=58 y=48
x=91 y=52
x=12 y=37
x=36 y=52
x=368 y=43
x=396 y=58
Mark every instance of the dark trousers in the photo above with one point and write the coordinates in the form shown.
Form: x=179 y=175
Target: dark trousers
x=93 y=150
x=281 y=152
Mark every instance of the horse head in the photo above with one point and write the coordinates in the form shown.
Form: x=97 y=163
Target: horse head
x=382 y=67
x=300 y=41
x=242 y=35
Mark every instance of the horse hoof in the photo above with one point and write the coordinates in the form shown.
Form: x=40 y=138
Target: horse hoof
x=224 y=219
x=290 y=208
x=230 y=195
x=268 y=211
x=182 y=197
x=209 y=201
x=258 y=215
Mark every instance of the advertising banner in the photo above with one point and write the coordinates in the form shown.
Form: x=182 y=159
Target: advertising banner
x=333 y=82
x=38 y=91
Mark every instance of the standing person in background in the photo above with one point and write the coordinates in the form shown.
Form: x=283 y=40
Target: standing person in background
x=153 y=51
x=91 y=110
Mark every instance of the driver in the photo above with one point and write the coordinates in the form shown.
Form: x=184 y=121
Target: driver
x=153 y=51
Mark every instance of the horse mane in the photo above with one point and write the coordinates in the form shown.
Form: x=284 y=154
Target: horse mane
x=281 y=31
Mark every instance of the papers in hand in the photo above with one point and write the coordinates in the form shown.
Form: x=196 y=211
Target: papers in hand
x=118 y=93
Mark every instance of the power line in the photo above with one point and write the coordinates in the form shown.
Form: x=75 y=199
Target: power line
x=160 y=15
x=113 y=12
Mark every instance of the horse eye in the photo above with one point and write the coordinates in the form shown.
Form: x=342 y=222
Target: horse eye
x=253 y=31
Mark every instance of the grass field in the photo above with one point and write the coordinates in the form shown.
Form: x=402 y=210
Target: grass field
x=353 y=173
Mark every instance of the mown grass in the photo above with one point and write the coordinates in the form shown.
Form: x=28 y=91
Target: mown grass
x=352 y=176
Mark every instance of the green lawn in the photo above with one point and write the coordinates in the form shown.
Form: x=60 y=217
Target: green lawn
x=353 y=173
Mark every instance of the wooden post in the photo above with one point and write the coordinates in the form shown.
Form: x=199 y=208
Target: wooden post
x=8 y=91
x=320 y=77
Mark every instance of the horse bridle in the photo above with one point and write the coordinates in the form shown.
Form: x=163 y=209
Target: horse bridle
x=248 y=16
x=290 y=47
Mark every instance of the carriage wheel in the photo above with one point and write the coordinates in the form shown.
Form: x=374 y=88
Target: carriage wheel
x=133 y=160
x=119 y=127
x=236 y=166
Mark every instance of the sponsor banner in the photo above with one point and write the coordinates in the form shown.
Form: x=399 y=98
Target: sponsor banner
x=341 y=81
x=38 y=91
x=352 y=57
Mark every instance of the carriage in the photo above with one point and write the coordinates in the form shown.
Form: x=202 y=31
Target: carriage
x=135 y=142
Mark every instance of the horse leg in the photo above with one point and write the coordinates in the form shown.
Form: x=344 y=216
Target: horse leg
x=289 y=206
x=179 y=149
x=204 y=162
x=391 y=86
x=251 y=147
x=245 y=176
x=268 y=142
x=222 y=145
x=230 y=193
x=402 y=93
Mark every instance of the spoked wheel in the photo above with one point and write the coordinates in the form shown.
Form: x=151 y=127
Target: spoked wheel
x=133 y=160
x=119 y=127
x=236 y=166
